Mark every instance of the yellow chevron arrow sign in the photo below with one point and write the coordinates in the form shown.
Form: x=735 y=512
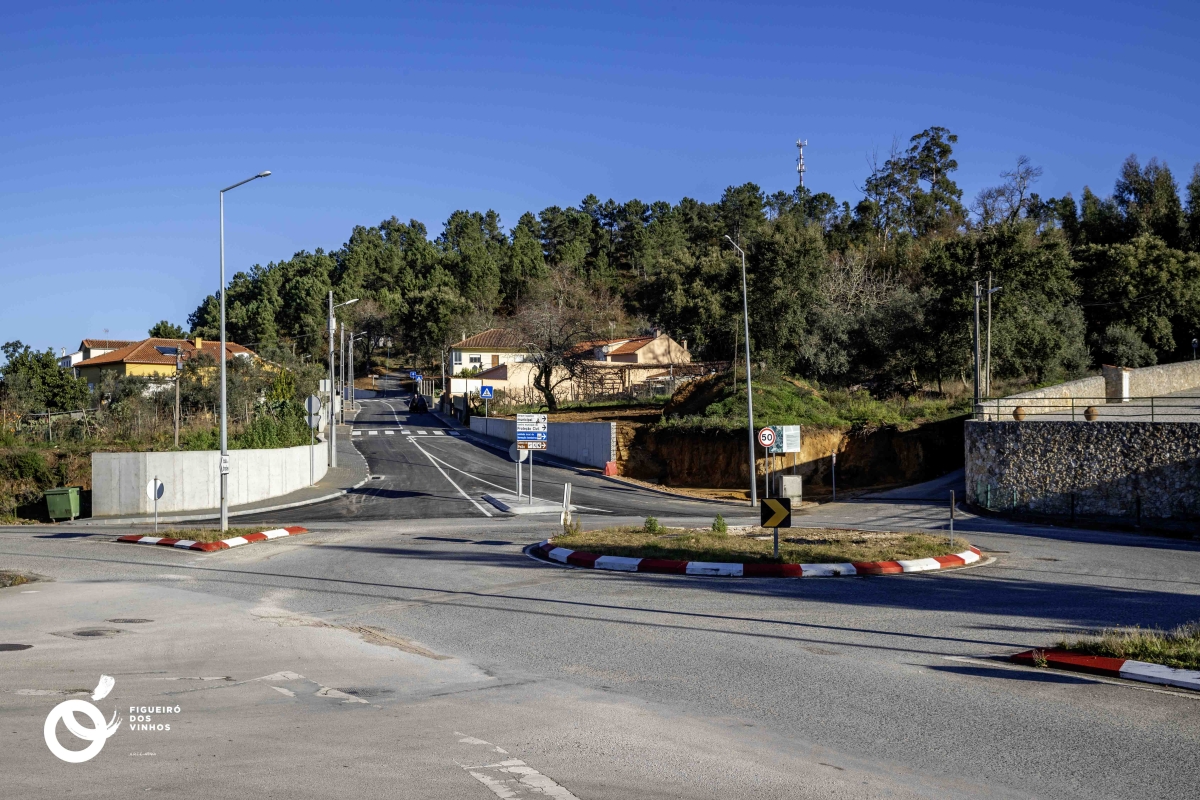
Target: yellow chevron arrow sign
x=777 y=513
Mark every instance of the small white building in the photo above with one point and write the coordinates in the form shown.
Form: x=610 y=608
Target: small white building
x=90 y=348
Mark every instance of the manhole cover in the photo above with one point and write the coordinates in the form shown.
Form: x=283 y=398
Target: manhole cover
x=90 y=632
x=15 y=647
x=128 y=620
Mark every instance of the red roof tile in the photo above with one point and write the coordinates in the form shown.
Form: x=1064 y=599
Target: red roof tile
x=493 y=339
x=145 y=352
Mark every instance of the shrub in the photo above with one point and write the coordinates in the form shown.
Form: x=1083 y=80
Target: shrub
x=719 y=525
x=652 y=525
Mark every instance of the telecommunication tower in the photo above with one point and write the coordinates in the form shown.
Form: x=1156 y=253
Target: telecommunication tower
x=800 y=168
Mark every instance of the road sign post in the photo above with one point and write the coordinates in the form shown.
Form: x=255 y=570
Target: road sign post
x=486 y=393
x=313 y=406
x=154 y=490
x=766 y=437
x=532 y=434
x=776 y=513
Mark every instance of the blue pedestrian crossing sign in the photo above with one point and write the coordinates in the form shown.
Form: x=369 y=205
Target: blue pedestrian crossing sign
x=485 y=392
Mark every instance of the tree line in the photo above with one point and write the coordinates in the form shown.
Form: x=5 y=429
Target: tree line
x=876 y=293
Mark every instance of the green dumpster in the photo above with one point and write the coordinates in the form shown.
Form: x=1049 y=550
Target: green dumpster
x=63 y=503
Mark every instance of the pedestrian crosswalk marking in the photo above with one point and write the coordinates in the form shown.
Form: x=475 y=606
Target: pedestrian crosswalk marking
x=356 y=433
x=423 y=433
x=406 y=433
x=439 y=433
x=372 y=433
x=390 y=433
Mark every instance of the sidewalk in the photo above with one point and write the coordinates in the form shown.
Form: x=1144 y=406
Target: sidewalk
x=351 y=472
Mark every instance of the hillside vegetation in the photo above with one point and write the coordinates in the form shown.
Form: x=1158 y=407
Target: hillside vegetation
x=718 y=402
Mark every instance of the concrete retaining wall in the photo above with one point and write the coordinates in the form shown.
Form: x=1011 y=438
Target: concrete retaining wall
x=1153 y=381
x=591 y=443
x=191 y=480
x=1046 y=400
x=1126 y=472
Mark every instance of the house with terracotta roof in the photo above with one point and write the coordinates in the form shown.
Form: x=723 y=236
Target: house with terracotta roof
x=152 y=358
x=90 y=348
x=491 y=348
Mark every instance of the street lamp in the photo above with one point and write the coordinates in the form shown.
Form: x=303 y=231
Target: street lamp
x=354 y=337
x=221 y=358
x=332 y=384
x=749 y=391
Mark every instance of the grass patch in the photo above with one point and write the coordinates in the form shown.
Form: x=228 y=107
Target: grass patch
x=205 y=534
x=8 y=579
x=1179 y=648
x=796 y=545
x=719 y=403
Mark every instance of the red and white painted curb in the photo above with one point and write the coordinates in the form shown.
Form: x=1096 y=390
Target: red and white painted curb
x=1125 y=668
x=623 y=564
x=208 y=547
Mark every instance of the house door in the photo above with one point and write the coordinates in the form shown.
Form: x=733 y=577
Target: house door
x=495 y=360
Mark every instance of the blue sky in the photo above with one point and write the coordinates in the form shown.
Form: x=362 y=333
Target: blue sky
x=122 y=121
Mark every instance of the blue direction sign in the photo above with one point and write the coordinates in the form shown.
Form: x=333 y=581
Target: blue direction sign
x=418 y=377
x=485 y=392
x=531 y=436
x=412 y=374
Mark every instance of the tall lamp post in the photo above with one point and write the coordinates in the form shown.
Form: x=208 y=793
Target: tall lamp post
x=332 y=383
x=749 y=388
x=221 y=358
x=354 y=337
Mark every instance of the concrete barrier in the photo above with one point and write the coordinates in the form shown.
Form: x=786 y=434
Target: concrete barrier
x=591 y=443
x=191 y=480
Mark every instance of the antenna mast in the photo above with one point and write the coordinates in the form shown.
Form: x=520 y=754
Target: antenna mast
x=800 y=168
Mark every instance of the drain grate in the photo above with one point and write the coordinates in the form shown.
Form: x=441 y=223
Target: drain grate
x=4 y=647
x=128 y=620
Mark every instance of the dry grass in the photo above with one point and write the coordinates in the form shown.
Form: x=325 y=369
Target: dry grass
x=204 y=534
x=1178 y=648
x=796 y=545
x=8 y=579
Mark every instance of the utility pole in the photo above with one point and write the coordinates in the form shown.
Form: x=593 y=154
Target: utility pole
x=987 y=381
x=977 y=297
x=749 y=388
x=178 y=375
x=342 y=367
x=333 y=380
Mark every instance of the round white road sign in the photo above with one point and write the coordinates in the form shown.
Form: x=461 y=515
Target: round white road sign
x=766 y=437
x=155 y=489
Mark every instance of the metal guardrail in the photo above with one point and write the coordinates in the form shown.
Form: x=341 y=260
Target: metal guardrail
x=1165 y=408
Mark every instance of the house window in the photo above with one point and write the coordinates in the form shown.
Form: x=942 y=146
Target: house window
x=476 y=359
x=457 y=355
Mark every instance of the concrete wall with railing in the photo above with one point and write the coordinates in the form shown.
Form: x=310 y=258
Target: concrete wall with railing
x=191 y=479
x=1115 y=385
x=591 y=443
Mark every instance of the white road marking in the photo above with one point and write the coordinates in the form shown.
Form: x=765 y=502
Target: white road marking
x=512 y=778
x=372 y=433
x=284 y=691
x=423 y=433
x=356 y=433
x=439 y=433
x=406 y=433
x=509 y=488
x=433 y=461
x=389 y=433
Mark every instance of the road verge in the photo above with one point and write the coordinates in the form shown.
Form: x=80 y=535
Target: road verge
x=209 y=547
x=1126 y=668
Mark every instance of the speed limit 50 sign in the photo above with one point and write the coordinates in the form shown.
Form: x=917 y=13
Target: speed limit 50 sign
x=766 y=437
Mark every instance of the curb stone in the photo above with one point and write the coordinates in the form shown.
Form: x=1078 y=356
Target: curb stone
x=208 y=547
x=546 y=550
x=1125 y=668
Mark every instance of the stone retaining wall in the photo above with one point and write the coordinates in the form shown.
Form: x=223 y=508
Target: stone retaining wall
x=1125 y=472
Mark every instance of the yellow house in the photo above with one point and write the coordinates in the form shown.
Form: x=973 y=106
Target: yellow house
x=153 y=358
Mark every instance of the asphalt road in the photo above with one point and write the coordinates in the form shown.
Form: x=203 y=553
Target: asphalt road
x=420 y=470
x=430 y=657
